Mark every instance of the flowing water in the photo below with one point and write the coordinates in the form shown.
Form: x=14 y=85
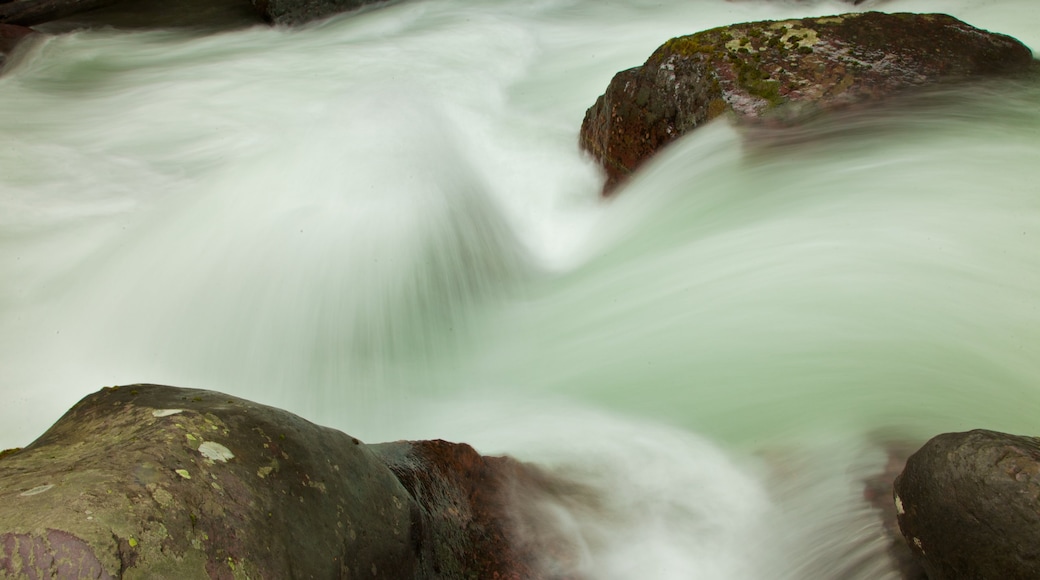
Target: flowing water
x=382 y=222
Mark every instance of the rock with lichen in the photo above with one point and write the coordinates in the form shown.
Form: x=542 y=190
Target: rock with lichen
x=782 y=72
x=967 y=505
x=147 y=481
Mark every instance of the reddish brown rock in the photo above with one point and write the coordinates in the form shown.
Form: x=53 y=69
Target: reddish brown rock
x=480 y=514
x=968 y=505
x=10 y=36
x=160 y=482
x=781 y=72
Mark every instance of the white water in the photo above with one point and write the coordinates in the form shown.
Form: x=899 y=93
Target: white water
x=383 y=223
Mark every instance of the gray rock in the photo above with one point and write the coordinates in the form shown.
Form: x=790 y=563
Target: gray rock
x=968 y=505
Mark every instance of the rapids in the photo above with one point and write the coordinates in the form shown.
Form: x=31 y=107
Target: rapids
x=382 y=222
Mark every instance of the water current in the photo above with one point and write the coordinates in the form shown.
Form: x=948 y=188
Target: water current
x=383 y=222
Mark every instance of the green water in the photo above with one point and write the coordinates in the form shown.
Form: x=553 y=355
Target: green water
x=383 y=223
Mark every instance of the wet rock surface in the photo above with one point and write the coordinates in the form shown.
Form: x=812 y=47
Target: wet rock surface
x=65 y=15
x=300 y=11
x=479 y=514
x=780 y=73
x=10 y=36
x=147 y=481
x=967 y=505
x=199 y=15
x=877 y=490
x=32 y=12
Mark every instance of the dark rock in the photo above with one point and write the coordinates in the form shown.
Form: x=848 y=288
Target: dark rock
x=200 y=15
x=470 y=507
x=32 y=12
x=967 y=505
x=10 y=36
x=63 y=15
x=300 y=11
x=780 y=73
x=877 y=490
x=161 y=482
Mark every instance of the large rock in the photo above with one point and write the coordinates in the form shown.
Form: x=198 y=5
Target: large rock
x=781 y=72
x=147 y=481
x=968 y=505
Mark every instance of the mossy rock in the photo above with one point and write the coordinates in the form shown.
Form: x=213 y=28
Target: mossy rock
x=148 y=481
x=781 y=72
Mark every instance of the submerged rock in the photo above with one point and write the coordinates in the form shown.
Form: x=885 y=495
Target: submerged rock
x=967 y=504
x=782 y=72
x=152 y=481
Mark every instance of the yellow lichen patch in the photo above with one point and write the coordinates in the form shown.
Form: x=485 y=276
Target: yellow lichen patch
x=162 y=497
x=800 y=37
x=716 y=108
x=690 y=45
x=738 y=41
x=315 y=484
x=264 y=471
x=183 y=473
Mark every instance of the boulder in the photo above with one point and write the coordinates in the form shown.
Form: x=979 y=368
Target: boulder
x=968 y=505
x=300 y=11
x=782 y=72
x=147 y=481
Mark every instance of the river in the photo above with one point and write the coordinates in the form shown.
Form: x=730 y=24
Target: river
x=383 y=223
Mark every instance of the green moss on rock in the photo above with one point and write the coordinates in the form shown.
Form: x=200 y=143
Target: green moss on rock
x=781 y=71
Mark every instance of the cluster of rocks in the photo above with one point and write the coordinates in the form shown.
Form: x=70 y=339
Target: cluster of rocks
x=162 y=482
